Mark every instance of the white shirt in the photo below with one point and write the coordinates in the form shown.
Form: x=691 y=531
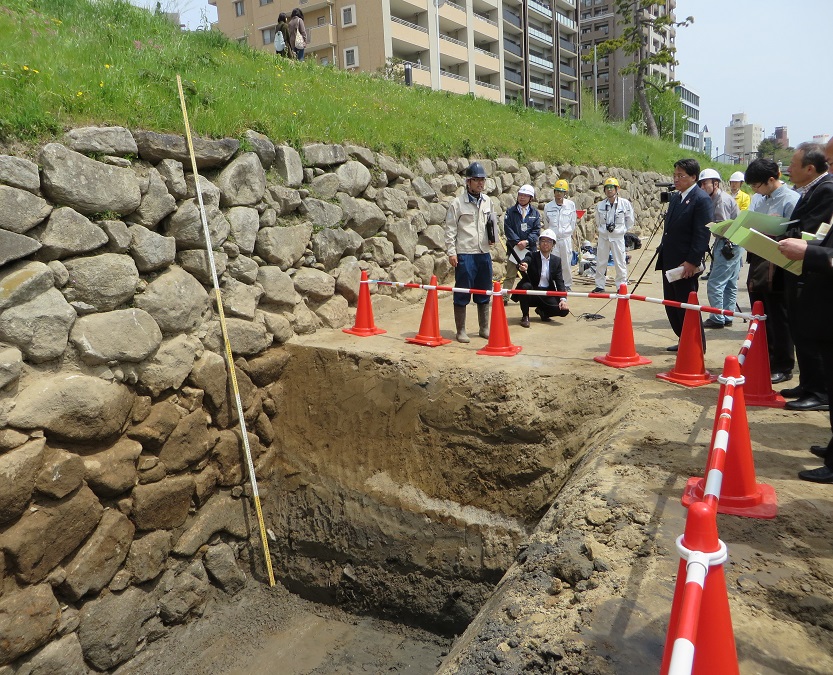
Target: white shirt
x=545 y=272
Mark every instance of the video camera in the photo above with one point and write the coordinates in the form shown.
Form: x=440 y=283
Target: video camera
x=665 y=195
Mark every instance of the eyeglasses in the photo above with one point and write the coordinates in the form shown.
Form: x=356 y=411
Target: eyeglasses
x=680 y=175
x=610 y=187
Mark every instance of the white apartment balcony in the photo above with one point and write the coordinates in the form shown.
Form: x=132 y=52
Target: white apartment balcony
x=484 y=26
x=540 y=8
x=541 y=64
x=486 y=61
x=408 y=7
x=452 y=16
x=571 y=4
x=455 y=50
x=409 y=34
x=540 y=36
x=454 y=83
x=542 y=89
x=421 y=75
x=567 y=22
x=487 y=90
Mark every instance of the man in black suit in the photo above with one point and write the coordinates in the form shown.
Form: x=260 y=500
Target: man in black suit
x=808 y=172
x=814 y=323
x=541 y=271
x=685 y=240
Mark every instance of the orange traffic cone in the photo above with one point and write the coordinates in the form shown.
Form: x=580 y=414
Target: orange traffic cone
x=740 y=493
x=622 y=352
x=364 y=326
x=429 y=328
x=499 y=342
x=690 y=367
x=758 y=386
x=710 y=630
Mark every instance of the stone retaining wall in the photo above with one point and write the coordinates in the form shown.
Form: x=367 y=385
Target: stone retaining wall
x=120 y=469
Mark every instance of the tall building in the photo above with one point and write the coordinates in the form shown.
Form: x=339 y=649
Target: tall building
x=781 y=137
x=501 y=50
x=691 y=123
x=821 y=138
x=598 y=22
x=705 y=145
x=743 y=138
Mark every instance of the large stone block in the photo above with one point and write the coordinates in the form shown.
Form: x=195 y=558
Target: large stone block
x=403 y=236
x=40 y=327
x=28 y=619
x=19 y=469
x=103 y=281
x=208 y=153
x=278 y=289
x=283 y=199
x=163 y=505
x=288 y=165
x=353 y=178
x=157 y=202
x=185 y=225
x=324 y=155
x=334 y=312
x=360 y=215
x=112 y=471
x=62 y=656
x=86 y=185
x=247 y=338
x=380 y=250
x=196 y=262
x=188 y=443
x=220 y=514
x=20 y=210
x=283 y=246
x=24 y=281
x=129 y=335
x=240 y=299
x=222 y=567
x=96 y=562
x=110 y=627
x=329 y=246
x=261 y=146
x=147 y=555
x=41 y=539
x=170 y=365
x=175 y=300
x=19 y=172
x=244 y=223
x=11 y=365
x=314 y=283
x=16 y=246
x=321 y=213
x=242 y=182
x=73 y=407
x=101 y=141
x=62 y=472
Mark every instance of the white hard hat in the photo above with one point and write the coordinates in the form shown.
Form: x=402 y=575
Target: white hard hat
x=737 y=176
x=708 y=173
x=527 y=190
x=548 y=234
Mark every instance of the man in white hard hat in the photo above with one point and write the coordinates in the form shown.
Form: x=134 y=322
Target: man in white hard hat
x=722 y=286
x=735 y=182
x=521 y=225
x=560 y=217
x=541 y=271
x=614 y=217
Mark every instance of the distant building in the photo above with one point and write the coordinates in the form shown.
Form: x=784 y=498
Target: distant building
x=821 y=138
x=781 y=137
x=743 y=138
x=598 y=22
x=691 y=125
x=501 y=50
x=705 y=145
x=725 y=158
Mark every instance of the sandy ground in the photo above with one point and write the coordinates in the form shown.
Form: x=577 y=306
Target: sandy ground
x=622 y=507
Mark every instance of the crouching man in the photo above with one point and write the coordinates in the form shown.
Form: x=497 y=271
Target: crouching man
x=541 y=271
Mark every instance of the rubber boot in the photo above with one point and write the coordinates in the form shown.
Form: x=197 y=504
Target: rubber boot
x=483 y=319
x=460 y=322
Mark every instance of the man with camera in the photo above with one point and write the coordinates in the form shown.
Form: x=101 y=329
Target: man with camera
x=470 y=227
x=685 y=240
x=722 y=287
x=614 y=217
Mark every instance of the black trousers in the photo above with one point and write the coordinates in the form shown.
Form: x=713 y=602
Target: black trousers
x=546 y=305
x=809 y=357
x=825 y=349
x=778 y=338
x=679 y=291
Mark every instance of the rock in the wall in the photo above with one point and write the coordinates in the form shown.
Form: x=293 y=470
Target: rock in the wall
x=129 y=335
x=175 y=300
x=18 y=471
x=28 y=618
x=40 y=327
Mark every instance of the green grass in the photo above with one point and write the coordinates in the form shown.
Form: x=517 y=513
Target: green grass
x=67 y=63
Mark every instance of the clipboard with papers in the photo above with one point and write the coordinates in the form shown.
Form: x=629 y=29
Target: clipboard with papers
x=754 y=231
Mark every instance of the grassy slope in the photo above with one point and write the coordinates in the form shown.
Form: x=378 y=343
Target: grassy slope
x=69 y=63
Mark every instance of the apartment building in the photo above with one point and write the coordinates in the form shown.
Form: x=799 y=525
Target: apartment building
x=599 y=22
x=501 y=50
x=691 y=124
x=743 y=138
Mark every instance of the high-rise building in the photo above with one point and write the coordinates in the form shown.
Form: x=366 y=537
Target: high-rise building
x=743 y=138
x=822 y=139
x=691 y=123
x=501 y=50
x=781 y=137
x=599 y=22
x=705 y=145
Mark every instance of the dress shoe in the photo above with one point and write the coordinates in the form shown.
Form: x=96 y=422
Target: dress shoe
x=712 y=323
x=824 y=474
x=524 y=322
x=598 y=290
x=794 y=392
x=672 y=348
x=780 y=377
x=543 y=316
x=808 y=402
x=819 y=450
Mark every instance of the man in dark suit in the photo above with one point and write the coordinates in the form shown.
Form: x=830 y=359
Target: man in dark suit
x=808 y=172
x=541 y=271
x=685 y=240
x=814 y=323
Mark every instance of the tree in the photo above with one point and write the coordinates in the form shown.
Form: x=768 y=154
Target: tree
x=638 y=21
x=666 y=107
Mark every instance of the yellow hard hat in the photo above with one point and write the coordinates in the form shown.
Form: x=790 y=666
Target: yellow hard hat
x=561 y=185
x=611 y=181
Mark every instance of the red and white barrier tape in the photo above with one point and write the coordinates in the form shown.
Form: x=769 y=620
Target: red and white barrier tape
x=697 y=568
x=747 y=343
x=714 y=472
x=573 y=294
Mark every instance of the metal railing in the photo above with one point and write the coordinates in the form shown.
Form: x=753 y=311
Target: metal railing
x=568 y=46
x=541 y=7
x=488 y=85
x=486 y=52
x=567 y=70
x=512 y=18
x=566 y=93
x=511 y=47
x=544 y=37
x=455 y=6
x=542 y=88
x=538 y=61
x=512 y=77
x=565 y=20
x=396 y=19
x=454 y=76
x=453 y=40
x=484 y=18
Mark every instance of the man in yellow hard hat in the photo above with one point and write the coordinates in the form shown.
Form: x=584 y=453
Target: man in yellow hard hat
x=560 y=217
x=614 y=217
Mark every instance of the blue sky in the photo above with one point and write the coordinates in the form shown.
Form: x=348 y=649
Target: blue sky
x=768 y=58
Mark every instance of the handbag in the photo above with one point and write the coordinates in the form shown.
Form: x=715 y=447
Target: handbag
x=299 y=40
